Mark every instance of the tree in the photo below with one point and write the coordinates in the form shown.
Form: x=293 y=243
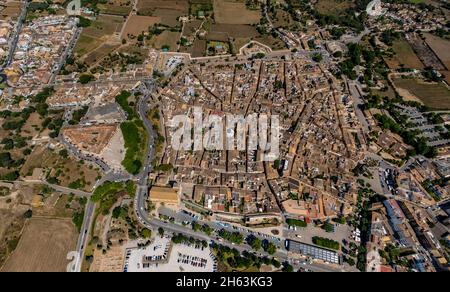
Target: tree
x=326 y=242
x=270 y=248
x=5 y=159
x=8 y=144
x=276 y=263
x=195 y=226
x=146 y=233
x=28 y=214
x=84 y=22
x=161 y=231
x=120 y=212
x=295 y=222
x=317 y=57
x=350 y=261
x=11 y=176
x=64 y=153
x=287 y=268
x=328 y=227
x=86 y=78
x=277 y=164
x=254 y=242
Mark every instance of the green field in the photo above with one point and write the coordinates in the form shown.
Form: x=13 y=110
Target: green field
x=333 y=7
x=404 y=56
x=95 y=35
x=86 y=44
x=436 y=96
x=134 y=135
x=114 y=9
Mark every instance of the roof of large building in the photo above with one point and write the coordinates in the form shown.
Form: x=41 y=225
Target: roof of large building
x=313 y=251
x=164 y=194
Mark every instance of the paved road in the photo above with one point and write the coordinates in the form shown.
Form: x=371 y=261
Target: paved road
x=15 y=38
x=355 y=91
x=70 y=147
x=84 y=234
x=66 y=53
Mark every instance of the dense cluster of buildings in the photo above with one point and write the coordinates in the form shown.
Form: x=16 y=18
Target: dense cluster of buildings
x=406 y=17
x=6 y=28
x=319 y=141
x=402 y=239
x=41 y=49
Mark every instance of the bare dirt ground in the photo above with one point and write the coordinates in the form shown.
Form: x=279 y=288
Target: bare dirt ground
x=66 y=170
x=92 y=138
x=12 y=10
x=111 y=261
x=404 y=56
x=235 y=12
x=138 y=24
x=441 y=48
x=43 y=246
x=114 y=152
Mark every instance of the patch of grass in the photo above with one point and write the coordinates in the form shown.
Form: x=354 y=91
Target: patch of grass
x=122 y=100
x=135 y=144
x=325 y=242
x=106 y=195
x=436 y=96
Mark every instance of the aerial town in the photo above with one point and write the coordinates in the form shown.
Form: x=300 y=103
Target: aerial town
x=224 y=136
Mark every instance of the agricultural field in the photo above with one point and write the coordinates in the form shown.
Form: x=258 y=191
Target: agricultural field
x=101 y=31
x=24 y=201
x=169 y=17
x=32 y=126
x=274 y=43
x=436 y=96
x=191 y=27
x=138 y=24
x=333 y=7
x=440 y=47
x=99 y=53
x=10 y=10
x=86 y=45
x=123 y=56
x=404 y=57
x=235 y=12
x=201 y=7
x=166 y=40
x=105 y=25
x=283 y=19
x=115 y=9
x=389 y=92
x=43 y=246
x=235 y=34
x=11 y=225
x=168 y=10
x=198 y=49
x=233 y=31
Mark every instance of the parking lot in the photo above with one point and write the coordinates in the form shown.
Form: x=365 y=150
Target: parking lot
x=305 y=235
x=163 y=256
x=136 y=259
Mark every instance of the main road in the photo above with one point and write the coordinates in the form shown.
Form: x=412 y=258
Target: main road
x=15 y=37
x=84 y=234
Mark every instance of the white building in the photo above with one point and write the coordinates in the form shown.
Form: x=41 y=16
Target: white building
x=375 y=8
